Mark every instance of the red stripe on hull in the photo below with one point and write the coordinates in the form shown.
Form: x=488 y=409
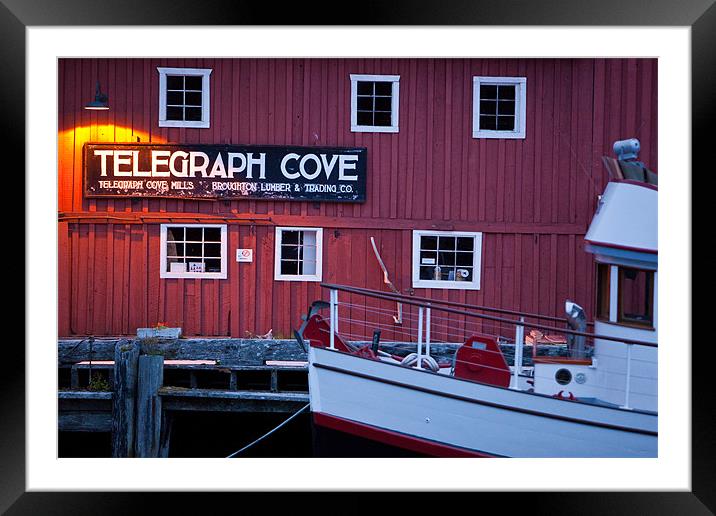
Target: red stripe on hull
x=391 y=438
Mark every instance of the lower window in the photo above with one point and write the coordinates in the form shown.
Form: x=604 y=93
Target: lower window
x=298 y=254
x=193 y=251
x=447 y=259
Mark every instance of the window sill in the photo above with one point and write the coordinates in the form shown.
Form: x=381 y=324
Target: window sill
x=195 y=275
x=183 y=123
x=374 y=129
x=505 y=135
x=298 y=278
x=452 y=285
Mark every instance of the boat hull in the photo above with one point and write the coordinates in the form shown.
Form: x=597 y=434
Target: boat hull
x=436 y=415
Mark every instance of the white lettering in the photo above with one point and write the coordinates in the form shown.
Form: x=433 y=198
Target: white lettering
x=232 y=169
x=159 y=159
x=103 y=154
x=218 y=169
x=172 y=168
x=344 y=165
x=119 y=159
x=284 y=161
x=194 y=167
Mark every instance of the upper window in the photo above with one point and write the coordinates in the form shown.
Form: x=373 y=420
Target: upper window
x=636 y=297
x=299 y=254
x=193 y=251
x=184 y=97
x=447 y=259
x=374 y=103
x=499 y=107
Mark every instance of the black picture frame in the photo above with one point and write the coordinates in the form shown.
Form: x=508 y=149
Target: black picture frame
x=17 y=15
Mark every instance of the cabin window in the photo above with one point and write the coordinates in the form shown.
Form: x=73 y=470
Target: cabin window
x=193 y=251
x=636 y=297
x=603 y=291
x=374 y=103
x=447 y=259
x=499 y=107
x=299 y=254
x=184 y=97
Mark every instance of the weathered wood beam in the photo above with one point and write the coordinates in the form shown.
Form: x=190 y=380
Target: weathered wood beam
x=126 y=358
x=225 y=351
x=149 y=405
x=84 y=421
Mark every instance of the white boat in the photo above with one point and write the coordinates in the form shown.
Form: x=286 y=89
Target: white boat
x=434 y=382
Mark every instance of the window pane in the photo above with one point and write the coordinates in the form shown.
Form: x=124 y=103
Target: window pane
x=488 y=107
x=428 y=242
x=212 y=250
x=383 y=103
x=309 y=267
x=365 y=103
x=384 y=88
x=193 y=82
x=289 y=237
x=212 y=234
x=289 y=252
x=446 y=258
x=463 y=274
x=463 y=258
x=488 y=91
x=505 y=123
x=635 y=293
x=175 y=113
x=603 y=291
x=383 y=119
x=365 y=88
x=365 y=118
x=428 y=258
x=195 y=234
x=465 y=243
x=175 y=98
x=506 y=107
x=175 y=249
x=446 y=243
x=175 y=82
x=212 y=265
x=426 y=272
x=193 y=250
x=506 y=92
x=488 y=122
x=192 y=98
x=193 y=114
x=289 y=267
x=175 y=265
x=175 y=233
x=309 y=238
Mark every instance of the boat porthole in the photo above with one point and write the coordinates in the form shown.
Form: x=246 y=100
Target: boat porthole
x=580 y=378
x=563 y=376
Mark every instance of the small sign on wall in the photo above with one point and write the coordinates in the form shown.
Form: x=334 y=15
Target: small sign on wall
x=245 y=255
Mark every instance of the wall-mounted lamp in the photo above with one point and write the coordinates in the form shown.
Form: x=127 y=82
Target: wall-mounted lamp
x=100 y=102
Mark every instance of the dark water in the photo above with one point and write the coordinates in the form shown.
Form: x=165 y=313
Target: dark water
x=211 y=434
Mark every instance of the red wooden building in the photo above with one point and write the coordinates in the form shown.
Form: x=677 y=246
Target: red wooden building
x=481 y=177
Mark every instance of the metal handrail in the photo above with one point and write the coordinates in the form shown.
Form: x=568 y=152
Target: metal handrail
x=473 y=307
x=410 y=301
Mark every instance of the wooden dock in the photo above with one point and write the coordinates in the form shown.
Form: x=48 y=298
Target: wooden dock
x=133 y=387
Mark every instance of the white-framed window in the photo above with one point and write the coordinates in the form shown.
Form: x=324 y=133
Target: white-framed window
x=193 y=251
x=499 y=107
x=298 y=254
x=447 y=259
x=184 y=97
x=374 y=103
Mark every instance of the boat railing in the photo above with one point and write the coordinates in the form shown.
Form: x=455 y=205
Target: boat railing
x=436 y=328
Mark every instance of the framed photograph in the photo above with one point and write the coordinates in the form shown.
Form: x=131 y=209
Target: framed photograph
x=90 y=74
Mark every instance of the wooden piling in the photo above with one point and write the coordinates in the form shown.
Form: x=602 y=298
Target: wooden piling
x=126 y=357
x=149 y=406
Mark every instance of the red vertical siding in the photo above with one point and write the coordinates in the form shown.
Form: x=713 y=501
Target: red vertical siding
x=532 y=198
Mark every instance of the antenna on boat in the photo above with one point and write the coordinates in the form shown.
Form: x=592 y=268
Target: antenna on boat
x=399 y=318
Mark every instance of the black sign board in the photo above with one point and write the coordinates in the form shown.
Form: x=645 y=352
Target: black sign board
x=195 y=171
